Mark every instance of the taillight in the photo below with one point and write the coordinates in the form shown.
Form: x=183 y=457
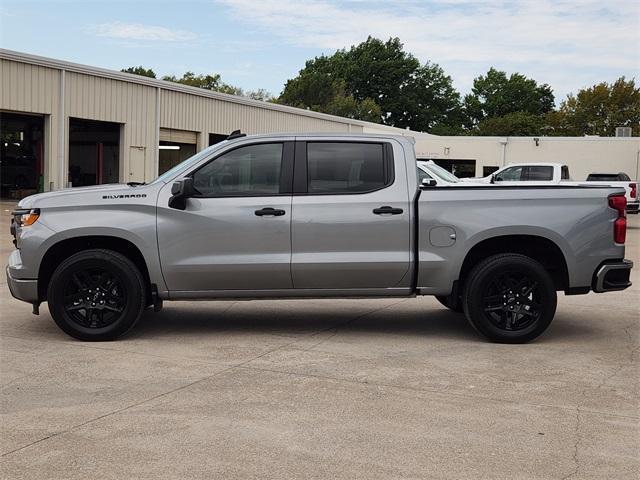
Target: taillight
x=619 y=203
x=634 y=190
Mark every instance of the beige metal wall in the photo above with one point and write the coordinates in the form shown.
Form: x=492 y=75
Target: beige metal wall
x=140 y=108
x=207 y=115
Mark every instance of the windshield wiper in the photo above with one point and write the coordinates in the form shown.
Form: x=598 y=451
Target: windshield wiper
x=136 y=184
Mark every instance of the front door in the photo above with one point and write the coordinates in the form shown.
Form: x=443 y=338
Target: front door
x=235 y=234
x=351 y=216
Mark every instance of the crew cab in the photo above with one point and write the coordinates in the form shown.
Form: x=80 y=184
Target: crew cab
x=294 y=216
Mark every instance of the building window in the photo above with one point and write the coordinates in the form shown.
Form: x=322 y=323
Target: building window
x=486 y=171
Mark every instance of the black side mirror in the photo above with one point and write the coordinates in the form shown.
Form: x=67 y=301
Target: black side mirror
x=180 y=191
x=428 y=182
x=495 y=178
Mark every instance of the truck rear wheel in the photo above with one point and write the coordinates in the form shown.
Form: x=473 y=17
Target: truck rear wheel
x=96 y=295
x=509 y=298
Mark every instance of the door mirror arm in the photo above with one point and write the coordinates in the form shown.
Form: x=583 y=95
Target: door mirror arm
x=180 y=191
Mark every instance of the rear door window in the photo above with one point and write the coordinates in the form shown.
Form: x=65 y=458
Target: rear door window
x=346 y=167
x=539 y=173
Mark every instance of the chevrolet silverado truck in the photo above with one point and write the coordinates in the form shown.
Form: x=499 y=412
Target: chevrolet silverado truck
x=294 y=216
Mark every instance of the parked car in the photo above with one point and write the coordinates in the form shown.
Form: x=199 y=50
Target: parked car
x=513 y=174
x=620 y=179
x=556 y=173
x=284 y=216
x=430 y=170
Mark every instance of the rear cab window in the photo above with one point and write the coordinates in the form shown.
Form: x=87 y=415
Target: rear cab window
x=334 y=168
x=538 y=173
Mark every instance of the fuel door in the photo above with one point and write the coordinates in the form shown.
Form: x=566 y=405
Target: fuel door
x=442 y=236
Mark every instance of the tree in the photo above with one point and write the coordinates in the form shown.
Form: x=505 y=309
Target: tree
x=145 y=72
x=598 y=110
x=377 y=81
x=208 y=82
x=511 y=124
x=496 y=95
x=259 y=94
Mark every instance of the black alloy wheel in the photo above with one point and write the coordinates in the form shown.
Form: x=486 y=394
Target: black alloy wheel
x=512 y=301
x=96 y=295
x=509 y=298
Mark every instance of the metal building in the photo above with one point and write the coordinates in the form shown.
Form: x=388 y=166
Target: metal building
x=64 y=124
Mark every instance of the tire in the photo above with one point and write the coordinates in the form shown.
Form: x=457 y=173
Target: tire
x=455 y=305
x=509 y=298
x=96 y=295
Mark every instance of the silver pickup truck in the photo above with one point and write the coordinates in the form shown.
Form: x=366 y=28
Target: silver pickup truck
x=284 y=216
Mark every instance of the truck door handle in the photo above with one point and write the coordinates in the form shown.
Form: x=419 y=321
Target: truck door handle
x=387 y=210
x=276 y=212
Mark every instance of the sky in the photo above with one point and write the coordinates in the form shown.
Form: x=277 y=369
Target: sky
x=261 y=44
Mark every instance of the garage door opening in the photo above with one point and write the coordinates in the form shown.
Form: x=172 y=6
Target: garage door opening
x=21 y=155
x=175 y=147
x=94 y=152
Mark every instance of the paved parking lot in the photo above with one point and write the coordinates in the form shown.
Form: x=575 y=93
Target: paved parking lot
x=382 y=388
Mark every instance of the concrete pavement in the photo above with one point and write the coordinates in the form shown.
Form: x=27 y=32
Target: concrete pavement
x=382 y=388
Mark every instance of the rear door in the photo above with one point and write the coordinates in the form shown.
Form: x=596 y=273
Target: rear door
x=351 y=216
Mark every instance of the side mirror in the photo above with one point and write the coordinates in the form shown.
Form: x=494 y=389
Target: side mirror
x=428 y=182
x=495 y=178
x=180 y=191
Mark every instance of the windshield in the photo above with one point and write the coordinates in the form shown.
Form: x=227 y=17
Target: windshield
x=440 y=172
x=188 y=162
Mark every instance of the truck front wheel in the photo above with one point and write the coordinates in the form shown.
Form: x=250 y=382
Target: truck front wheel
x=96 y=295
x=509 y=298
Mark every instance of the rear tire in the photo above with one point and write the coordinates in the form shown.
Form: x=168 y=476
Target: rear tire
x=96 y=295
x=509 y=298
x=453 y=304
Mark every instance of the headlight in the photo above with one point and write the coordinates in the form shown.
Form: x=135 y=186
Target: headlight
x=26 y=217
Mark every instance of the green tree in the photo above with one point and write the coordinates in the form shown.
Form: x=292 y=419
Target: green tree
x=598 y=110
x=496 y=95
x=140 y=70
x=208 y=82
x=376 y=73
x=259 y=94
x=511 y=124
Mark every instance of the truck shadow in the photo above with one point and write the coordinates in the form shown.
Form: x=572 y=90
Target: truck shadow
x=300 y=321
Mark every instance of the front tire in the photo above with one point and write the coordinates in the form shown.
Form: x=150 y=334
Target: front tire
x=96 y=295
x=509 y=298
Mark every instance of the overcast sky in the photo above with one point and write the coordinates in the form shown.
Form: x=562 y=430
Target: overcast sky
x=260 y=44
